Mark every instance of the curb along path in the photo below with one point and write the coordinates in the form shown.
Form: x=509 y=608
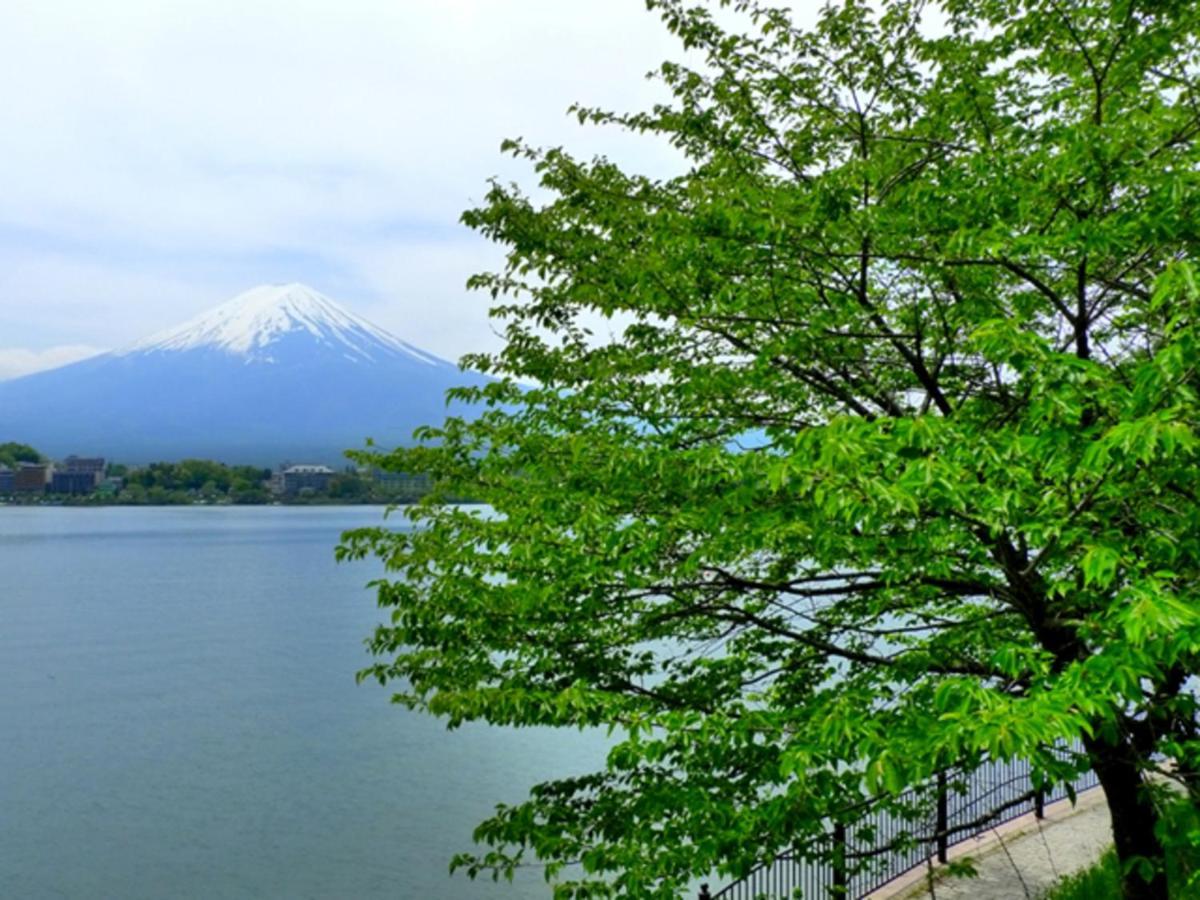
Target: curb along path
x=1019 y=858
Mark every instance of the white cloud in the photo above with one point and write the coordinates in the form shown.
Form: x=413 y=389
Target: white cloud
x=15 y=361
x=158 y=158
x=50 y=298
x=256 y=122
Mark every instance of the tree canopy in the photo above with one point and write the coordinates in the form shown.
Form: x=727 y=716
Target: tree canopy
x=891 y=465
x=197 y=475
x=13 y=454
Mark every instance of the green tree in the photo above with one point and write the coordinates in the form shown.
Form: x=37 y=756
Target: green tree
x=249 y=494
x=12 y=453
x=134 y=494
x=348 y=486
x=892 y=467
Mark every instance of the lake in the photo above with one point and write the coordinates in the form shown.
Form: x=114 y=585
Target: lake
x=179 y=717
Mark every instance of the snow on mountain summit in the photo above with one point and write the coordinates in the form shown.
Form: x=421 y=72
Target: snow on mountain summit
x=252 y=322
x=279 y=372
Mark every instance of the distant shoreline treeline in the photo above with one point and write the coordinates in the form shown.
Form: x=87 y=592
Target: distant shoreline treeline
x=207 y=482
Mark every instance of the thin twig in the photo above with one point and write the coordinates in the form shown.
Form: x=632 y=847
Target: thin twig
x=1049 y=854
x=1013 y=863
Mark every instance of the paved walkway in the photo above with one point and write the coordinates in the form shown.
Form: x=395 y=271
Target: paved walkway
x=1021 y=858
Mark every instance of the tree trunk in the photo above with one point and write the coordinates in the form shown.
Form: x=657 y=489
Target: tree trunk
x=1133 y=817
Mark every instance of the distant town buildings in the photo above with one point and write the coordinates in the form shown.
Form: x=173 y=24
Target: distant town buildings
x=31 y=478
x=74 y=475
x=93 y=465
x=297 y=478
x=64 y=482
x=404 y=483
x=77 y=475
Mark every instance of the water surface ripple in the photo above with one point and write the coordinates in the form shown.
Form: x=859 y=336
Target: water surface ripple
x=179 y=718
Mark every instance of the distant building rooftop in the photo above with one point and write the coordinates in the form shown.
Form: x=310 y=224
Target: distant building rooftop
x=297 y=479
x=83 y=464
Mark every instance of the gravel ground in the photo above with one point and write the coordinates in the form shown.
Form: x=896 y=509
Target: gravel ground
x=1022 y=858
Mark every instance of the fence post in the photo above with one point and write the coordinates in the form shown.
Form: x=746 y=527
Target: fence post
x=1039 y=803
x=840 y=882
x=704 y=894
x=943 y=819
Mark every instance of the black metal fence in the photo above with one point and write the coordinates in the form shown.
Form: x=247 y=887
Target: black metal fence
x=888 y=839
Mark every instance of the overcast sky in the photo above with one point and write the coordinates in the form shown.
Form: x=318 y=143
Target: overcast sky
x=158 y=158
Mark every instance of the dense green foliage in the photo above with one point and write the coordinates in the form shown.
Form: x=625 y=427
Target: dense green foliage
x=892 y=466
x=204 y=481
x=198 y=478
x=1100 y=882
x=12 y=453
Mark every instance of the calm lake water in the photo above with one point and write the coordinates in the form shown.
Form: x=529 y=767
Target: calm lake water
x=179 y=718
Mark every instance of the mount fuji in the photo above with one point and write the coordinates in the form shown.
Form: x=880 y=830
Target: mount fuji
x=279 y=372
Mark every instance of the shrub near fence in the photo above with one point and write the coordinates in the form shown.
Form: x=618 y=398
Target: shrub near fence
x=883 y=843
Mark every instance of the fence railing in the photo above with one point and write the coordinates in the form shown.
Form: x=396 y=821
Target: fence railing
x=884 y=842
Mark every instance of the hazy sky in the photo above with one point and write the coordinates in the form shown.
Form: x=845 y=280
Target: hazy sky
x=158 y=158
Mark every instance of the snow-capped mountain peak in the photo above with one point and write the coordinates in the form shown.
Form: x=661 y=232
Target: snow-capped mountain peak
x=253 y=322
x=280 y=372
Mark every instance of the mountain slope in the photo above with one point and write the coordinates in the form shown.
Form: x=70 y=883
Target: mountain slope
x=279 y=372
